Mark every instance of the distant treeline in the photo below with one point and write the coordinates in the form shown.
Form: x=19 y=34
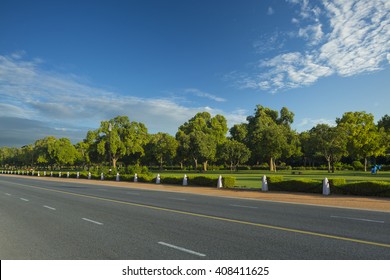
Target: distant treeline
x=265 y=139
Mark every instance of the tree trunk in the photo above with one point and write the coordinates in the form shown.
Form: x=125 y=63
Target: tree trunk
x=329 y=166
x=272 y=165
x=114 y=160
x=196 y=164
x=161 y=163
x=205 y=165
x=365 y=164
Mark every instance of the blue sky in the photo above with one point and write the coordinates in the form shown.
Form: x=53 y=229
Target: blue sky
x=67 y=65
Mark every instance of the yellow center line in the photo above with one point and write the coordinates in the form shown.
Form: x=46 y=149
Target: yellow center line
x=218 y=218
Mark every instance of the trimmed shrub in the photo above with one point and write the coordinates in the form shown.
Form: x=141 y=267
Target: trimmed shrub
x=172 y=180
x=228 y=182
x=274 y=179
x=202 y=181
x=146 y=178
x=337 y=182
x=297 y=185
x=374 y=188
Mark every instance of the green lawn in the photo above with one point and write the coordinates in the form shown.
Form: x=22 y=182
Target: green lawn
x=252 y=178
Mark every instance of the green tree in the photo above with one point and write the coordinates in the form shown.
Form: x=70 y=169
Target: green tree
x=384 y=123
x=119 y=137
x=163 y=147
x=239 y=132
x=41 y=148
x=364 y=140
x=235 y=153
x=200 y=136
x=63 y=152
x=270 y=136
x=329 y=142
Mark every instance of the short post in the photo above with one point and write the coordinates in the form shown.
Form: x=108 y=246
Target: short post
x=78 y=175
x=51 y=173
x=325 y=187
x=39 y=174
x=44 y=173
x=219 y=184
x=117 y=177
x=89 y=175
x=102 y=176
x=185 y=180
x=67 y=174
x=135 y=178
x=18 y=172
x=158 y=179
x=59 y=174
x=264 y=184
x=32 y=174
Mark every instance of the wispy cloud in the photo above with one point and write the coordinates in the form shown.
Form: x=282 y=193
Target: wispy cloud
x=342 y=37
x=48 y=101
x=307 y=123
x=200 y=93
x=270 y=11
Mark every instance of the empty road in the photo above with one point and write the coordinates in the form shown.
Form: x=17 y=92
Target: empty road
x=43 y=219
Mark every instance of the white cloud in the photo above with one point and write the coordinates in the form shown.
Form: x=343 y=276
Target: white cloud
x=63 y=101
x=343 y=37
x=270 y=11
x=308 y=123
x=200 y=93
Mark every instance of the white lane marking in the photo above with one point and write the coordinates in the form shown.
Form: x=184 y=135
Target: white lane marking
x=8 y=194
x=182 y=249
x=24 y=199
x=92 y=221
x=358 y=219
x=243 y=206
x=176 y=198
x=48 y=207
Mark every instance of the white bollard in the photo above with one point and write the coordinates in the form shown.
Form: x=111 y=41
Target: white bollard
x=135 y=178
x=59 y=174
x=264 y=184
x=51 y=173
x=102 y=176
x=78 y=175
x=219 y=184
x=158 y=179
x=185 y=180
x=325 y=187
x=32 y=174
x=67 y=174
x=44 y=173
x=39 y=174
x=117 y=177
x=89 y=175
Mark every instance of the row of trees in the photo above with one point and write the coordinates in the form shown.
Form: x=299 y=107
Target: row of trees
x=265 y=137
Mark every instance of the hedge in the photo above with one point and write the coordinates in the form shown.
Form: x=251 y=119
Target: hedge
x=296 y=185
x=374 y=188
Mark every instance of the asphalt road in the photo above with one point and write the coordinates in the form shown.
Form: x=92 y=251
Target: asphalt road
x=43 y=219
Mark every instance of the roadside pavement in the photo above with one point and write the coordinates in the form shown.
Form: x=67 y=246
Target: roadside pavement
x=342 y=201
